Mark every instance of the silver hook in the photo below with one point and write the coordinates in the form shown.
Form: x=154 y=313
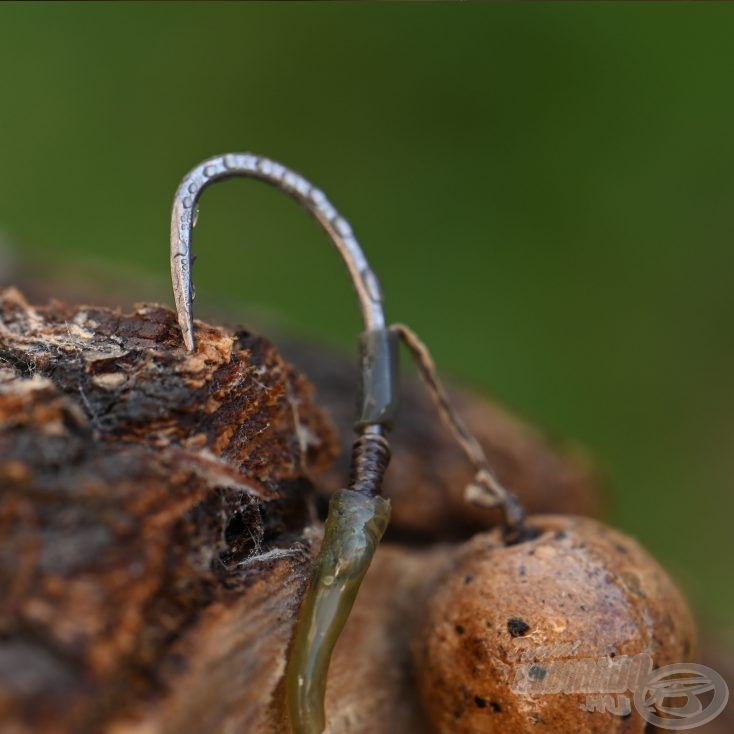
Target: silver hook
x=246 y=165
x=358 y=515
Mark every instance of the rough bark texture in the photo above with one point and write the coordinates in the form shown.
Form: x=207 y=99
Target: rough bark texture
x=153 y=515
x=157 y=525
x=428 y=472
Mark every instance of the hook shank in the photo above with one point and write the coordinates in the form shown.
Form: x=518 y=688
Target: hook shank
x=246 y=165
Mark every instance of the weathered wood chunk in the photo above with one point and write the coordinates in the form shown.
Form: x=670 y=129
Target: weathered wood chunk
x=142 y=489
x=157 y=524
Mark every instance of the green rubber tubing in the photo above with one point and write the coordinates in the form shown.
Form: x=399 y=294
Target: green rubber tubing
x=354 y=527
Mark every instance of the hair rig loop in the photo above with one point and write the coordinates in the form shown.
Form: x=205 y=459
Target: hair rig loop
x=358 y=515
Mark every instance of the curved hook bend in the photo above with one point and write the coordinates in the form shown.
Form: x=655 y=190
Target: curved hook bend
x=246 y=165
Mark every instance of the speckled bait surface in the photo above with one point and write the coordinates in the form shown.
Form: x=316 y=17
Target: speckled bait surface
x=353 y=529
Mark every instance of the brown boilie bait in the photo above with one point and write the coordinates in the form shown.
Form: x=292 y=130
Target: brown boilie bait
x=519 y=637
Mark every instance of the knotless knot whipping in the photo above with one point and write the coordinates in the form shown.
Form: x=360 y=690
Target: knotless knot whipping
x=370 y=457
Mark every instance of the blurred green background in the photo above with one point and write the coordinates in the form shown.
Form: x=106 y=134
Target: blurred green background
x=545 y=190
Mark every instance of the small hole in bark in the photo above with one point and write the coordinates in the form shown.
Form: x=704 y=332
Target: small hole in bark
x=235 y=529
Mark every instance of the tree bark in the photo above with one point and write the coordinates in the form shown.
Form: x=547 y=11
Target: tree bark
x=158 y=524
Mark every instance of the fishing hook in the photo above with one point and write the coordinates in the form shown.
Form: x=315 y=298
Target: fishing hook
x=358 y=515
